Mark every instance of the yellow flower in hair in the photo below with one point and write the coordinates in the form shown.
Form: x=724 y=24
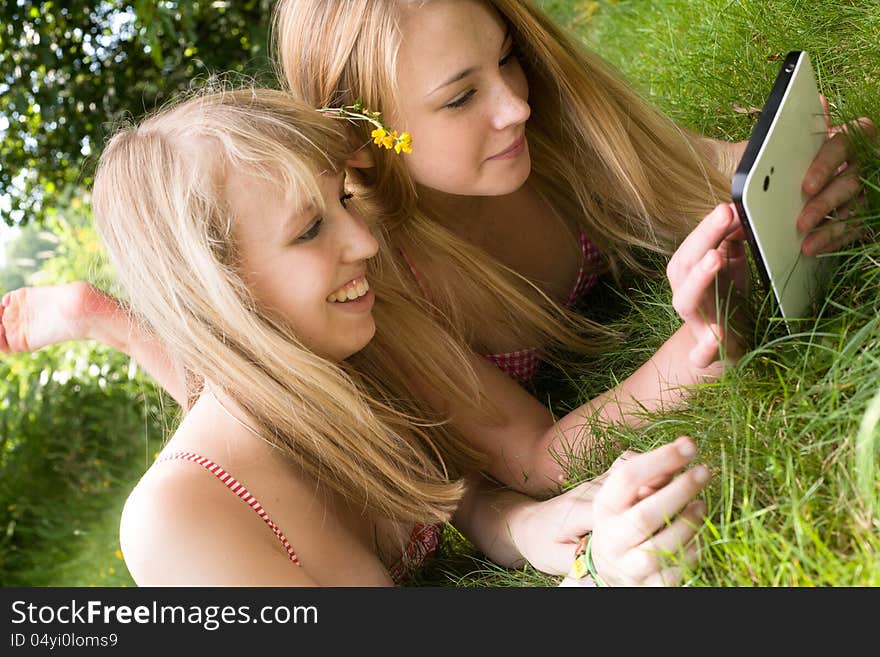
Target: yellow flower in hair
x=404 y=143
x=388 y=140
x=381 y=135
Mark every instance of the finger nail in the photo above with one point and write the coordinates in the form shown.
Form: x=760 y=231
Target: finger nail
x=686 y=448
x=701 y=474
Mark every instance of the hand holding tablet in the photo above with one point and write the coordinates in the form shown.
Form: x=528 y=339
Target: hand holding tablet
x=768 y=187
x=781 y=207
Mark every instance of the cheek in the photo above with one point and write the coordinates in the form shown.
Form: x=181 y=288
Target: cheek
x=445 y=155
x=286 y=289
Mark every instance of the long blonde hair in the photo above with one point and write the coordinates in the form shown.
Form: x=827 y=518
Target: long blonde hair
x=601 y=156
x=159 y=203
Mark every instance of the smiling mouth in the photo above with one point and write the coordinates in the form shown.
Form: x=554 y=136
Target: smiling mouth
x=352 y=290
x=513 y=148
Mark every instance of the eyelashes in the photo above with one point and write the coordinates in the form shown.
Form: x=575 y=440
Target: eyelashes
x=465 y=98
x=311 y=233
x=315 y=228
x=461 y=101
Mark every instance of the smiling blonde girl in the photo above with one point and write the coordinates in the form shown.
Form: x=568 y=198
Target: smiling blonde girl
x=227 y=219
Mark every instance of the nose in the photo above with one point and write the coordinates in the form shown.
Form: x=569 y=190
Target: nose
x=511 y=106
x=358 y=243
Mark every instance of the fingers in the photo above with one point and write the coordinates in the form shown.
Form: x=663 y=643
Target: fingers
x=654 y=513
x=834 y=234
x=839 y=191
x=708 y=235
x=672 y=575
x=679 y=533
x=621 y=490
x=693 y=269
x=828 y=160
x=668 y=551
x=836 y=153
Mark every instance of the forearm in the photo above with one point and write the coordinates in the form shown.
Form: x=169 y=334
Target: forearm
x=662 y=383
x=488 y=516
x=115 y=327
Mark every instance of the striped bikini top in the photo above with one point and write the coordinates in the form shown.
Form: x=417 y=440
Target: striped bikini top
x=422 y=543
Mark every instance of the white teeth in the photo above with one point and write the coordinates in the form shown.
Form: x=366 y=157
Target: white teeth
x=350 y=291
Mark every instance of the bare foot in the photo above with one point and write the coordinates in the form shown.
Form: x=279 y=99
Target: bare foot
x=34 y=317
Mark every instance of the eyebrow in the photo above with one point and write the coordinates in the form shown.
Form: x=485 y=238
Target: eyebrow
x=466 y=72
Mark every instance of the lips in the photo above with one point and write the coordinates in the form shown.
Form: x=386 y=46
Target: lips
x=513 y=149
x=352 y=290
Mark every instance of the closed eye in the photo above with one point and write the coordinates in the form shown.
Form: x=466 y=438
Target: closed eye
x=462 y=100
x=345 y=198
x=312 y=231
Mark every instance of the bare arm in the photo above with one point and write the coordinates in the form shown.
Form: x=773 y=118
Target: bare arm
x=638 y=505
x=35 y=317
x=525 y=447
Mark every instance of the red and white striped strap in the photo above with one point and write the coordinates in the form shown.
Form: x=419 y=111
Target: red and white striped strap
x=238 y=488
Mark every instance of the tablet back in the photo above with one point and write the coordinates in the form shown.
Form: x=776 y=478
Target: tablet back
x=767 y=186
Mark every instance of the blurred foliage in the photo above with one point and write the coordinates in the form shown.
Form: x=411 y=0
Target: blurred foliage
x=71 y=70
x=79 y=424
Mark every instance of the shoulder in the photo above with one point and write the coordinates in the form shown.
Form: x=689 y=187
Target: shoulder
x=181 y=525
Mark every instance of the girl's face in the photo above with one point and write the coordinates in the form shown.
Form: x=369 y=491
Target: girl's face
x=463 y=97
x=305 y=266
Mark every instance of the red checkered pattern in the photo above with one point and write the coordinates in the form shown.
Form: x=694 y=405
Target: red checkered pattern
x=520 y=365
x=523 y=364
x=422 y=546
x=591 y=264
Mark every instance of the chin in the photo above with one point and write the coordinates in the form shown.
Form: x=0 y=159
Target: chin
x=357 y=345
x=510 y=182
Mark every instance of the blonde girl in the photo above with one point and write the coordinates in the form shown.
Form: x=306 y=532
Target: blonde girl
x=534 y=168
x=227 y=219
x=521 y=138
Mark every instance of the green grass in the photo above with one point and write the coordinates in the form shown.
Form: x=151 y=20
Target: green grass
x=78 y=427
x=791 y=434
